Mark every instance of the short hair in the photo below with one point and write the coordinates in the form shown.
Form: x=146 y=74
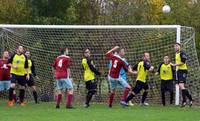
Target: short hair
x=145 y=53
x=177 y=43
x=4 y=52
x=86 y=50
x=62 y=50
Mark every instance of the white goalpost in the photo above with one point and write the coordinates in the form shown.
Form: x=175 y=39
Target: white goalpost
x=44 y=42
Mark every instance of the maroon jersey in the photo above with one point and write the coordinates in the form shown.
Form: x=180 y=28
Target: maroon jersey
x=4 y=73
x=117 y=64
x=61 y=64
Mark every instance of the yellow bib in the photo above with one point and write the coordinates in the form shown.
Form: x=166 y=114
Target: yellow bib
x=178 y=60
x=142 y=73
x=19 y=61
x=166 y=72
x=88 y=73
x=29 y=66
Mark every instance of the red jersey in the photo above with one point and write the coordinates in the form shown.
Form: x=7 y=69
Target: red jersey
x=4 y=73
x=117 y=64
x=61 y=64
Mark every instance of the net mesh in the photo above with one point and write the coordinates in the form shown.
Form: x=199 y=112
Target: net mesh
x=44 y=45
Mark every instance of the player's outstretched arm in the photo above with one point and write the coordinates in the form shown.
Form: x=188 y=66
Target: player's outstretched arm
x=113 y=49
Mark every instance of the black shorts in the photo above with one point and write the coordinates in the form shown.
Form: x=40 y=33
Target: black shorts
x=31 y=81
x=181 y=76
x=166 y=85
x=21 y=80
x=91 y=85
x=139 y=86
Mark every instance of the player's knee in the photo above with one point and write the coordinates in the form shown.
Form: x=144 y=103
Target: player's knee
x=33 y=88
x=112 y=91
x=92 y=92
x=12 y=85
x=181 y=85
x=59 y=91
x=129 y=87
x=70 y=91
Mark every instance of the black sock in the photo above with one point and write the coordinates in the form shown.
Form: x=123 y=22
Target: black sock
x=10 y=94
x=183 y=96
x=188 y=94
x=89 y=97
x=144 y=96
x=171 y=97
x=35 y=96
x=163 y=98
x=21 y=95
x=130 y=96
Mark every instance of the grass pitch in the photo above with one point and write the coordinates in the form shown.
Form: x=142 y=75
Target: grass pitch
x=47 y=112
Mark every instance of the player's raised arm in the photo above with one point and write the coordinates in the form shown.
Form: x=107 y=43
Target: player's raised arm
x=112 y=50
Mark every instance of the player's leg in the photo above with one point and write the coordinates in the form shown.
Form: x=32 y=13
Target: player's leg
x=91 y=87
x=182 y=75
x=22 y=84
x=126 y=88
x=133 y=93
x=163 y=92
x=145 y=86
x=113 y=85
x=59 y=87
x=70 y=93
x=31 y=84
x=35 y=95
x=170 y=88
x=11 y=90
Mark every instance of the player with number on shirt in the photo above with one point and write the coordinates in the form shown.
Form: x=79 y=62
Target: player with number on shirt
x=61 y=67
x=114 y=72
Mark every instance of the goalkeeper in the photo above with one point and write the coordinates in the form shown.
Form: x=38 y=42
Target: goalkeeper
x=166 y=72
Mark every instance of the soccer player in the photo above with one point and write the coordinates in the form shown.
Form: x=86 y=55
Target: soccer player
x=124 y=77
x=19 y=66
x=181 y=68
x=114 y=72
x=142 y=69
x=166 y=72
x=31 y=70
x=4 y=72
x=62 y=74
x=89 y=76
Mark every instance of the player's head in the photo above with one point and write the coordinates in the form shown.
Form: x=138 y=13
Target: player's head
x=177 y=47
x=64 y=51
x=121 y=52
x=166 y=59
x=87 y=53
x=5 y=55
x=20 y=49
x=146 y=56
x=28 y=54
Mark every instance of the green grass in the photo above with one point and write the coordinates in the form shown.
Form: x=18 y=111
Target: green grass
x=47 y=112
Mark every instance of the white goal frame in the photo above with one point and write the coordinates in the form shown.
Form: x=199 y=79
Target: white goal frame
x=177 y=27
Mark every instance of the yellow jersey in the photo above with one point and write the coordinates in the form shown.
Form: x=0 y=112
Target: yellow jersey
x=181 y=57
x=165 y=71
x=21 y=62
x=88 y=73
x=29 y=66
x=142 y=69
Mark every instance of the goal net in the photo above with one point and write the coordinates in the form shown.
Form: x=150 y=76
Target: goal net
x=44 y=42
